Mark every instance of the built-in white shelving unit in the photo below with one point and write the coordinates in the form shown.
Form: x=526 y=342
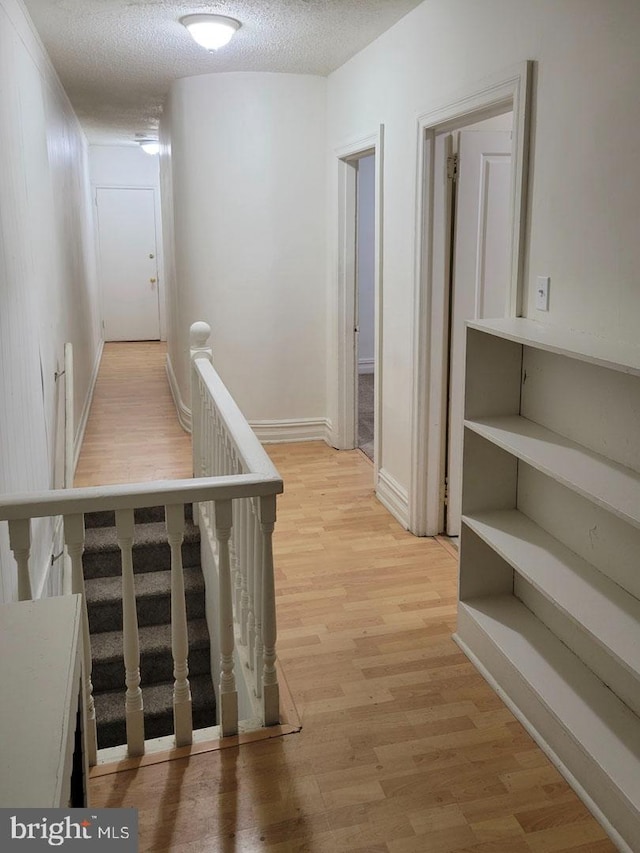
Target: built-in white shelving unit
x=549 y=605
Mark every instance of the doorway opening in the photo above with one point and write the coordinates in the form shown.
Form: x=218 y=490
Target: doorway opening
x=471 y=213
x=365 y=303
x=359 y=337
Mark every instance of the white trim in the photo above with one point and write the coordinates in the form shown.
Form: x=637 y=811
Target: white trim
x=344 y=436
x=393 y=497
x=306 y=429
x=183 y=412
x=86 y=408
x=268 y=431
x=366 y=365
x=510 y=89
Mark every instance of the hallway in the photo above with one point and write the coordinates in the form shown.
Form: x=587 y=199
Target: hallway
x=404 y=747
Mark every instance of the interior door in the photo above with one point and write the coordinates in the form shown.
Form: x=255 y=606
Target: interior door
x=128 y=264
x=480 y=273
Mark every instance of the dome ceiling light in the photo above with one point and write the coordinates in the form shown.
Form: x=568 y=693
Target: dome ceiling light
x=149 y=146
x=211 y=31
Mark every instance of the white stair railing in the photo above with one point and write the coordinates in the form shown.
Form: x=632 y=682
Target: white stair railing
x=233 y=493
x=225 y=445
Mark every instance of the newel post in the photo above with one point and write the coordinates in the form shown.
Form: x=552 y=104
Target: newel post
x=199 y=335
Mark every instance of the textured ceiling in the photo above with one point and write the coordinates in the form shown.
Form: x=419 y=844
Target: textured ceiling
x=117 y=58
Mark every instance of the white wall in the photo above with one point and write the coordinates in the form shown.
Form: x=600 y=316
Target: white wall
x=584 y=189
x=246 y=174
x=366 y=262
x=47 y=276
x=129 y=166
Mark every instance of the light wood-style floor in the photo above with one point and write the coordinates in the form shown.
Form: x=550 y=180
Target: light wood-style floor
x=404 y=748
x=133 y=434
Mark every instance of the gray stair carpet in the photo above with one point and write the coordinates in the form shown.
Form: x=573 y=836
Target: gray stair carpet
x=152 y=578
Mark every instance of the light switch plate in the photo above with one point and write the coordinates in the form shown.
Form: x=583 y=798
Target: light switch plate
x=542 y=293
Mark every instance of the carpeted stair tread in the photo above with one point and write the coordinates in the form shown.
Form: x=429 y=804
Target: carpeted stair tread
x=158 y=710
x=151 y=550
x=149 y=533
x=156 y=660
x=153 y=594
x=107 y=646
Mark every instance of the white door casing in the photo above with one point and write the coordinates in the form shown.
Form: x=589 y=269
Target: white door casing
x=128 y=263
x=509 y=90
x=480 y=275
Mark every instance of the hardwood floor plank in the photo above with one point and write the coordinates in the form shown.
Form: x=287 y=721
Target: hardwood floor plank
x=404 y=747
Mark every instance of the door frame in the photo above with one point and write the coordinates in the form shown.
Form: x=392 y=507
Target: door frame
x=159 y=249
x=347 y=156
x=508 y=90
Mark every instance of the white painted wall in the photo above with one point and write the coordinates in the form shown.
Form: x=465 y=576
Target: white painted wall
x=47 y=277
x=129 y=166
x=248 y=211
x=366 y=262
x=584 y=214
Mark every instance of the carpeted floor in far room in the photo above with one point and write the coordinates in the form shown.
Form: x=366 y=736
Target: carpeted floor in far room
x=365 y=413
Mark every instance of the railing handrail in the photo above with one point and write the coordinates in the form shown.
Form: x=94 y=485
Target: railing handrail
x=137 y=495
x=251 y=453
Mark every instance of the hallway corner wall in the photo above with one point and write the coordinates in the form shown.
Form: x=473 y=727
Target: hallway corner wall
x=243 y=186
x=48 y=291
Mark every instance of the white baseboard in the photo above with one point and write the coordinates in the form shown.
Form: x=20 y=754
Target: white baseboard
x=268 y=432
x=393 y=497
x=183 y=412
x=366 y=365
x=279 y=432
x=86 y=408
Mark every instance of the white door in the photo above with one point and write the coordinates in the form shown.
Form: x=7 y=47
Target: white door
x=128 y=264
x=480 y=275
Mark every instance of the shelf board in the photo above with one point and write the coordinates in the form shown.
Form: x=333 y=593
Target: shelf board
x=601 y=608
x=601 y=481
x=580 y=719
x=604 y=352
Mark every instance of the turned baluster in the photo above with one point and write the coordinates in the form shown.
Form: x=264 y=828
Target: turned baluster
x=238 y=557
x=228 y=695
x=182 y=712
x=199 y=335
x=247 y=556
x=74 y=541
x=271 y=700
x=134 y=707
x=257 y=606
x=20 y=544
x=255 y=556
x=219 y=447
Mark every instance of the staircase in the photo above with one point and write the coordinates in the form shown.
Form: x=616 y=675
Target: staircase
x=151 y=563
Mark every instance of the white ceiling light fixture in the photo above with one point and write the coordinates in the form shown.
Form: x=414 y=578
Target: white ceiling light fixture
x=149 y=146
x=211 y=31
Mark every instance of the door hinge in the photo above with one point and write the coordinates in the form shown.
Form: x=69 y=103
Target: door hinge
x=452 y=167
x=446 y=492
